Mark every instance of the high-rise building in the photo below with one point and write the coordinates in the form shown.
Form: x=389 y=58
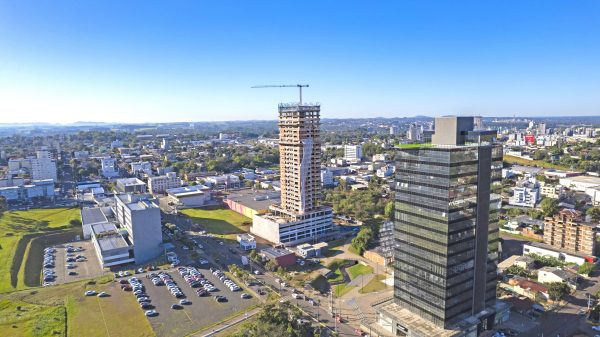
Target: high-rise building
x=298 y=217
x=43 y=167
x=478 y=123
x=446 y=231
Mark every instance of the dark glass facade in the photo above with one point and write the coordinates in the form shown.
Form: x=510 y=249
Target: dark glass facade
x=446 y=230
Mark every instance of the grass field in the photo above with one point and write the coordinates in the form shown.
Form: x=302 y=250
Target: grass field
x=219 y=221
x=64 y=311
x=359 y=269
x=336 y=273
x=539 y=163
x=340 y=290
x=17 y=230
x=376 y=284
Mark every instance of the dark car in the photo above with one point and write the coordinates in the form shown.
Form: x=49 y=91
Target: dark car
x=176 y=306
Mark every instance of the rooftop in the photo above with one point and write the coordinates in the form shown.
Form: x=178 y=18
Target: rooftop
x=92 y=215
x=585 y=179
x=254 y=199
x=276 y=252
x=130 y=181
x=187 y=190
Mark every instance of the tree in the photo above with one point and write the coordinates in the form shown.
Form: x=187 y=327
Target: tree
x=389 y=210
x=75 y=222
x=3 y=206
x=271 y=265
x=549 y=206
x=519 y=271
x=594 y=212
x=586 y=268
x=557 y=290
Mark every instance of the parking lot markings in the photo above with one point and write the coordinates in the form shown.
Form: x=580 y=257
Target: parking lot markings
x=188 y=316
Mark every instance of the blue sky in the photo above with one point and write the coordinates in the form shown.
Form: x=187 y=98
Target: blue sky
x=132 y=61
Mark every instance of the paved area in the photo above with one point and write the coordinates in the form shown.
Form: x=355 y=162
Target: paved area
x=88 y=269
x=203 y=311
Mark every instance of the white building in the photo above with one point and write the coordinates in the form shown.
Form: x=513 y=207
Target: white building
x=161 y=184
x=551 y=191
x=580 y=183
x=223 y=181
x=130 y=185
x=413 y=133
x=165 y=144
x=141 y=167
x=352 y=152
x=326 y=177
x=189 y=196
x=109 y=167
x=386 y=171
x=247 y=241
x=281 y=231
x=526 y=194
x=553 y=275
x=36 y=190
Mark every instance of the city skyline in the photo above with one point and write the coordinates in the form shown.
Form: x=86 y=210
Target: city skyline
x=65 y=62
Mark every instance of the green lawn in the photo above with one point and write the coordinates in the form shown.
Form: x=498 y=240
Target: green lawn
x=539 y=163
x=49 y=311
x=359 y=269
x=340 y=290
x=376 y=284
x=336 y=273
x=219 y=221
x=14 y=226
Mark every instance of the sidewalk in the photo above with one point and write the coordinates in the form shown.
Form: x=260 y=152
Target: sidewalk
x=227 y=324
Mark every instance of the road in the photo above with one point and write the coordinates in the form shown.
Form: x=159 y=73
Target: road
x=224 y=255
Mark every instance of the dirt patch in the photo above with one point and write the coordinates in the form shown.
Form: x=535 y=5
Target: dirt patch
x=35 y=258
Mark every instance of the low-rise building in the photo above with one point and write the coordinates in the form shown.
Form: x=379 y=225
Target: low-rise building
x=111 y=247
x=554 y=275
x=38 y=189
x=551 y=191
x=580 y=183
x=247 y=241
x=528 y=288
x=141 y=167
x=307 y=250
x=250 y=202
x=130 y=185
x=281 y=256
x=540 y=248
x=226 y=181
x=161 y=184
x=189 y=196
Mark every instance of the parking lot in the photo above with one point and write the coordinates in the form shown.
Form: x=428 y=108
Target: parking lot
x=87 y=269
x=202 y=312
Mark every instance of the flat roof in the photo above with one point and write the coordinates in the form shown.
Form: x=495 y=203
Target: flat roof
x=276 y=252
x=92 y=215
x=554 y=249
x=254 y=199
x=130 y=181
x=584 y=179
x=414 y=322
x=107 y=236
x=187 y=191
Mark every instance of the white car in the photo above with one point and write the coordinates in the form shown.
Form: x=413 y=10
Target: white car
x=596 y=328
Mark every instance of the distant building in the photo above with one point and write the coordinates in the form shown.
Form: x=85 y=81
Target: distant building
x=551 y=191
x=478 y=123
x=353 y=153
x=189 y=196
x=130 y=185
x=227 y=181
x=413 y=133
x=109 y=167
x=161 y=184
x=141 y=167
x=580 y=183
x=38 y=189
x=526 y=194
x=393 y=130
x=326 y=177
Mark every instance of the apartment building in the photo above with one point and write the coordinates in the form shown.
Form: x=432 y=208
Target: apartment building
x=141 y=167
x=160 y=184
x=130 y=185
x=40 y=167
x=526 y=194
x=109 y=167
x=567 y=231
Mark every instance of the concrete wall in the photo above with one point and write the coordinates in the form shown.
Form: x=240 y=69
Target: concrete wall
x=147 y=235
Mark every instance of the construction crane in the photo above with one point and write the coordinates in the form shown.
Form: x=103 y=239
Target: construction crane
x=299 y=86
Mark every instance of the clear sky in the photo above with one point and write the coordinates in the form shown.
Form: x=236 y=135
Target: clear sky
x=137 y=61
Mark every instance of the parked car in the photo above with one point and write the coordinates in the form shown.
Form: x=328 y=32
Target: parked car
x=151 y=313
x=90 y=293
